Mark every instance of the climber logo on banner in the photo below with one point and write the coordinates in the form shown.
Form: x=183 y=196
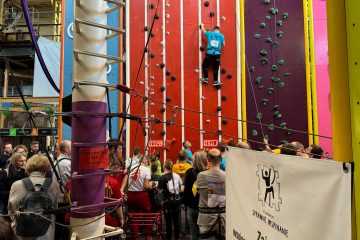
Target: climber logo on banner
x=269 y=186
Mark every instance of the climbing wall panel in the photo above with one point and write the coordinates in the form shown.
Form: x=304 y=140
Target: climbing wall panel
x=276 y=79
x=171 y=73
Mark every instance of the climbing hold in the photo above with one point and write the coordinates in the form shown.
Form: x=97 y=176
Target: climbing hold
x=146 y=29
x=267 y=17
x=263 y=25
x=162 y=65
x=269 y=40
x=152 y=34
x=162 y=88
x=285 y=15
x=289 y=132
x=167 y=33
x=206 y=3
x=224 y=121
x=173 y=77
x=277 y=115
x=281 y=62
x=223 y=70
x=167 y=72
x=162 y=44
x=218 y=108
x=151 y=5
x=49 y=111
x=280 y=23
x=167 y=15
x=152 y=93
x=284 y=142
x=202 y=48
x=275 y=79
x=6 y=112
x=266 y=137
x=266 y=1
x=274 y=68
x=259 y=116
x=280 y=34
x=270 y=90
x=252 y=69
x=274 y=11
x=218 y=86
x=287 y=74
x=276 y=107
x=156 y=16
x=264 y=61
x=223 y=18
x=219 y=132
x=152 y=55
x=141 y=82
x=212 y=14
x=168 y=99
x=168 y=4
x=25 y=107
x=223 y=97
x=197 y=70
x=146 y=49
x=229 y=76
x=258 y=80
x=254 y=133
x=257 y=35
x=152 y=104
x=281 y=85
x=203 y=98
x=271 y=127
x=283 y=125
x=152 y=77
x=275 y=44
x=265 y=101
x=263 y=52
x=162 y=133
x=208 y=121
x=261 y=86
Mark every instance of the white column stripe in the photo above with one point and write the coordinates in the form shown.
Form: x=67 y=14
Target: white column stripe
x=127 y=52
x=219 y=75
x=164 y=70
x=182 y=68
x=200 y=85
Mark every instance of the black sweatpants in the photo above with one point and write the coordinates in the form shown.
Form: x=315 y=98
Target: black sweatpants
x=214 y=61
x=172 y=216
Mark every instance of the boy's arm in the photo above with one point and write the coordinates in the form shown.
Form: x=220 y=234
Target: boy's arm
x=202 y=28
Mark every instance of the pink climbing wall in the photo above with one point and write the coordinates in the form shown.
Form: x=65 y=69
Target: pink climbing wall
x=322 y=74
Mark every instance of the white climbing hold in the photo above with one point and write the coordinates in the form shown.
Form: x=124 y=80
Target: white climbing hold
x=158 y=65
x=152 y=77
x=167 y=33
x=203 y=98
x=223 y=18
x=141 y=83
x=167 y=15
x=197 y=70
x=147 y=88
x=152 y=93
x=168 y=4
x=162 y=43
x=208 y=120
x=162 y=54
x=152 y=132
x=152 y=116
x=152 y=104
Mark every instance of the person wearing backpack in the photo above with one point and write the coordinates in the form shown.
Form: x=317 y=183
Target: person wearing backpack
x=34 y=194
x=170 y=185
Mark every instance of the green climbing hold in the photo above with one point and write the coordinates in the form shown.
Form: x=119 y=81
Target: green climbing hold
x=285 y=16
x=264 y=61
x=259 y=116
x=254 y=133
x=280 y=34
x=266 y=1
x=252 y=69
x=281 y=62
x=271 y=127
x=265 y=101
x=281 y=85
x=267 y=17
x=287 y=74
x=266 y=137
x=257 y=36
x=27 y=107
x=258 y=80
x=6 y=112
x=284 y=142
x=263 y=25
x=283 y=125
x=269 y=40
x=49 y=111
x=263 y=52
x=277 y=115
x=279 y=23
x=276 y=107
x=274 y=11
x=270 y=90
x=289 y=132
x=275 y=44
x=275 y=79
x=274 y=68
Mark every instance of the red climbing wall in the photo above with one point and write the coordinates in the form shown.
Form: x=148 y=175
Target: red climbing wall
x=170 y=73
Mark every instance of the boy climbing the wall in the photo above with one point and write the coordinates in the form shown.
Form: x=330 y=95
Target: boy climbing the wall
x=215 y=41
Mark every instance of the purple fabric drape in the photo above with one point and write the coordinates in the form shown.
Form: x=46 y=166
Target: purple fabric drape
x=29 y=24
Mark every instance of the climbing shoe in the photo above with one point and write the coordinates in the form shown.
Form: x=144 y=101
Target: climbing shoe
x=204 y=80
x=217 y=84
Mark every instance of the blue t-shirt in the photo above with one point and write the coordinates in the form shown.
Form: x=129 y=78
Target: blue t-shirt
x=215 y=42
x=189 y=155
x=223 y=163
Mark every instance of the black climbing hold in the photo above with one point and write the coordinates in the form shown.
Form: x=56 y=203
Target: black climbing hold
x=212 y=14
x=152 y=55
x=281 y=62
x=283 y=125
x=156 y=16
x=264 y=61
x=167 y=72
x=275 y=44
x=274 y=68
x=206 y=4
x=280 y=34
x=224 y=121
x=257 y=36
x=162 y=109
x=223 y=70
x=162 y=65
x=271 y=127
x=258 y=80
x=162 y=133
x=223 y=97
x=229 y=76
x=281 y=85
x=252 y=69
x=151 y=5
x=218 y=87
x=218 y=108
x=173 y=77
x=285 y=15
x=152 y=34
x=263 y=52
x=269 y=40
x=202 y=48
x=146 y=49
x=254 y=133
x=146 y=29
x=168 y=99
x=270 y=90
x=276 y=107
x=279 y=23
x=259 y=116
x=263 y=25
x=162 y=88
x=219 y=132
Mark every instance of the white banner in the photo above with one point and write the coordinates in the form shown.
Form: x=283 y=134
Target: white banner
x=275 y=197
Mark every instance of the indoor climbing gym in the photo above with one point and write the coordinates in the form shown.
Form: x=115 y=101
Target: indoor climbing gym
x=179 y=119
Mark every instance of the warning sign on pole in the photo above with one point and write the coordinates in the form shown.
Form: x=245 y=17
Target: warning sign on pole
x=93 y=158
